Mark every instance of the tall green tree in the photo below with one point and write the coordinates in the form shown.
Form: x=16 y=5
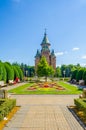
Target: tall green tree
x=43 y=69
x=9 y=71
x=79 y=74
x=58 y=72
x=16 y=64
x=63 y=68
x=84 y=75
x=20 y=72
x=74 y=73
x=31 y=71
x=16 y=72
x=2 y=72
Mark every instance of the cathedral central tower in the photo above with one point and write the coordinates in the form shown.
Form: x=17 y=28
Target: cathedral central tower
x=45 y=51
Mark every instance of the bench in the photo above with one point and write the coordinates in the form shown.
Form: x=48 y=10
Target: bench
x=2 y=84
x=11 y=82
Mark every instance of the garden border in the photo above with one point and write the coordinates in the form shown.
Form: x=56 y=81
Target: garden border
x=77 y=118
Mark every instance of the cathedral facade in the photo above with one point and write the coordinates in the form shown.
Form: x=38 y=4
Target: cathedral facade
x=45 y=51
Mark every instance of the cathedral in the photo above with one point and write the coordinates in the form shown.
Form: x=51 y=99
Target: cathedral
x=45 y=51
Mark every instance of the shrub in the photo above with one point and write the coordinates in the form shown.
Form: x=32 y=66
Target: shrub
x=80 y=104
x=6 y=106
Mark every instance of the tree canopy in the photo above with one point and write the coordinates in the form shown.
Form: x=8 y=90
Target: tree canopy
x=43 y=69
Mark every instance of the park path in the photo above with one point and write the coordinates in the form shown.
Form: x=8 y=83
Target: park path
x=43 y=112
x=13 y=86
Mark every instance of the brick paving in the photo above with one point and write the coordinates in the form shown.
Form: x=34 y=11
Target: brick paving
x=43 y=112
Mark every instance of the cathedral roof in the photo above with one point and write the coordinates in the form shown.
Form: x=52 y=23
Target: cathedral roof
x=45 y=39
x=37 y=54
x=52 y=53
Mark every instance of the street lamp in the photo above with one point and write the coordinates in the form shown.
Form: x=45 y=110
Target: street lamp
x=26 y=73
x=64 y=74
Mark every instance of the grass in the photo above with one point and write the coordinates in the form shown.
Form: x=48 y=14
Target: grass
x=69 y=89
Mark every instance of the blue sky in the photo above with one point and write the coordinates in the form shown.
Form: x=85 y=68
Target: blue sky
x=22 y=24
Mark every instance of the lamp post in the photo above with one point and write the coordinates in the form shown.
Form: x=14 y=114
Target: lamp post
x=64 y=74
x=26 y=73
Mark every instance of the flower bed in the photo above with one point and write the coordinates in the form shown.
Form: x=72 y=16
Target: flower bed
x=44 y=86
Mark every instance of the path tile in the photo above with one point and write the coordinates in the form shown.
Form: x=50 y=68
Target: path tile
x=43 y=112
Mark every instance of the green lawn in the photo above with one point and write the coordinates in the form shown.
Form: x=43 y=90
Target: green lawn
x=69 y=89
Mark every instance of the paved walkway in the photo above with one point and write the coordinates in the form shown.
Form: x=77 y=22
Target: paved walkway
x=13 y=86
x=43 y=112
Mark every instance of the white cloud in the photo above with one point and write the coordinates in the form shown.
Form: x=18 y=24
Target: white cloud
x=59 y=53
x=83 y=57
x=75 y=49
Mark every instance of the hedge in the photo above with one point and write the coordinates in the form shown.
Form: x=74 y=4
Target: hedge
x=2 y=72
x=16 y=73
x=6 y=105
x=9 y=71
x=81 y=104
x=20 y=73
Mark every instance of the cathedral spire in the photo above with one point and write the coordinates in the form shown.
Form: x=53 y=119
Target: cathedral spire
x=45 y=39
x=45 y=32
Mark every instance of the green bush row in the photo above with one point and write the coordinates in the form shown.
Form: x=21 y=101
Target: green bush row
x=81 y=104
x=79 y=74
x=10 y=72
x=6 y=107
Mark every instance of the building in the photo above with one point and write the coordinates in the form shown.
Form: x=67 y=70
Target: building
x=45 y=51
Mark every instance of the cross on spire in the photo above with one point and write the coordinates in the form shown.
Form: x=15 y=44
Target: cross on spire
x=45 y=31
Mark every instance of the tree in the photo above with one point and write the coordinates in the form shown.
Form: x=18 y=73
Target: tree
x=2 y=72
x=58 y=72
x=43 y=69
x=16 y=73
x=63 y=68
x=31 y=71
x=74 y=73
x=22 y=66
x=79 y=74
x=9 y=71
x=16 y=64
x=84 y=76
x=20 y=72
